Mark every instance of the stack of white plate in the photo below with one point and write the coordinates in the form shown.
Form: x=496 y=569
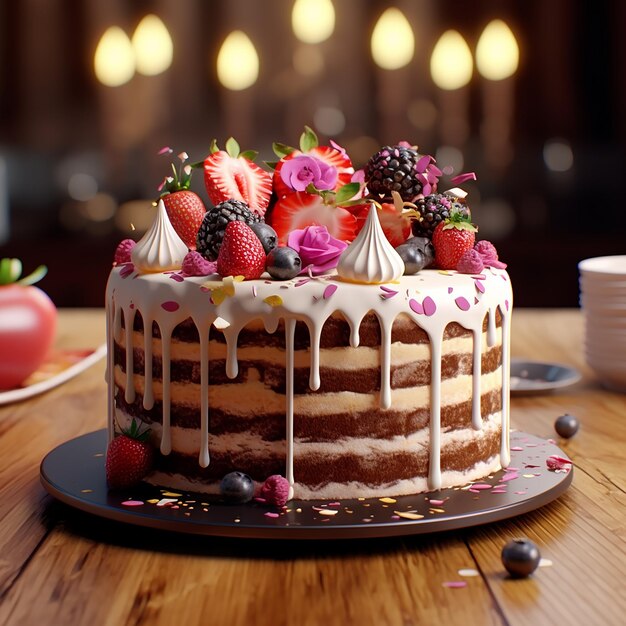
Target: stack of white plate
x=603 y=300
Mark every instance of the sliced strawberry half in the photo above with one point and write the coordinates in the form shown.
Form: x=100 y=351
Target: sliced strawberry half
x=301 y=209
x=232 y=175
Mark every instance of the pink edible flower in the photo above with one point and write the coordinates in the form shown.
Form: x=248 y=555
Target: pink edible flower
x=122 y=252
x=470 y=263
x=317 y=248
x=557 y=463
x=275 y=490
x=298 y=173
x=489 y=254
x=194 y=264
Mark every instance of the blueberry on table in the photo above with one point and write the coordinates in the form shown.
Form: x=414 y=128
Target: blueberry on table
x=520 y=557
x=566 y=425
x=237 y=488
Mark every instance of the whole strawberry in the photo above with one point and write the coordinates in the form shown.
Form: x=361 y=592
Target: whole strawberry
x=129 y=458
x=452 y=239
x=184 y=207
x=241 y=252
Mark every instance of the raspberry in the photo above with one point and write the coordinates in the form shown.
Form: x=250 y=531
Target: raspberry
x=470 y=263
x=275 y=490
x=489 y=255
x=194 y=264
x=122 y=252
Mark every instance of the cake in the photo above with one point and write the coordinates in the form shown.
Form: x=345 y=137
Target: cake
x=354 y=381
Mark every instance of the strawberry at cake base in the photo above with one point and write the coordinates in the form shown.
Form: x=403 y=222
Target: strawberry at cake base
x=348 y=390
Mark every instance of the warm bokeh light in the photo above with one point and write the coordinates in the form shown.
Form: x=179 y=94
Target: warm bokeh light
x=237 y=62
x=393 y=43
x=313 y=21
x=308 y=60
x=497 y=52
x=558 y=155
x=153 y=46
x=451 y=63
x=329 y=120
x=114 y=60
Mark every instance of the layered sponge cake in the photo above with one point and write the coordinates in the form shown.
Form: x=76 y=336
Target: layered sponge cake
x=347 y=390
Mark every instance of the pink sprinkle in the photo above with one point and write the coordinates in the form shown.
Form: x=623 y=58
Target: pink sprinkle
x=506 y=304
x=482 y=486
x=423 y=163
x=329 y=291
x=517 y=448
x=177 y=277
x=479 y=286
x=170 y=306
x=557 y=463
x=335 y=504
x=127 y=270
x=437 y=502
x=450 y=289
x=462 y=303
x=455 y=584
x=429 y=305
x=511 y=469
x=509 y=476
x=389 y=293
x=416 y=307
x=132 y=503
x=519 y=493
x=463 y=178
x=474 y=490
x=395 y=517
x=387 y=289
x=165 y=150
x=270 y=514
x=304 y=281
x=498 y=491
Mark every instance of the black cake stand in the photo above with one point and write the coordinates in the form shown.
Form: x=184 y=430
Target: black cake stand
x=74 y=474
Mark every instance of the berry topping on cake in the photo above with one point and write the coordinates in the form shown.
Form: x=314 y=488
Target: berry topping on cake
x=413 y=258
x=211 y=232
x=241 y=252
x=434 y=209
x=452 y=239
x=194 y=264
x=489 y=255
x=470 y=263
x=266 y=234
x=283 y=263
x=184 y=208
x=403 y=169
x=232 y=174
x=326 y=167
x=275 y=490
x=123 y=250
x=237 y=488
x=129 y=458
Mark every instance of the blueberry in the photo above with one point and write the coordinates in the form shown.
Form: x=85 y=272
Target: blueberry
x=520 y=557
x=566 y=425
x=283 y=263
x=413 y=258
x=237 y=488
x=425 y=246
x=266 y=234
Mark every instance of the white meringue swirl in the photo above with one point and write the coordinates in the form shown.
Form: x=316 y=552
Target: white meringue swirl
x=160 y=249
x=370 y=258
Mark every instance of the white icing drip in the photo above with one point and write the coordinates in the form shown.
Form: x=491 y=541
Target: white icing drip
x=385 y=362
x=129 y=322
x=204 y=458
x=232 y=365
x=434 y=467
x=314 y=373
x=166 y=439
x=370 y=258
x=148 y=393
x=117 y=324
x=505 y=454
x=491 y=327
x=110 y=314
x=290 y=327
x=477 y=420
x=160 y=249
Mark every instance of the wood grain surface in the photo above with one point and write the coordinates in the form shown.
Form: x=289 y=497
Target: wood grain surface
x=60 y=566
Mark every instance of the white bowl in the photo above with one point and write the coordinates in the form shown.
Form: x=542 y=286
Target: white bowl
x=604 y=267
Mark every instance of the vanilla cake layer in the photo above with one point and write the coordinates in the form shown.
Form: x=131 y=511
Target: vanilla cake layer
x=369 y=395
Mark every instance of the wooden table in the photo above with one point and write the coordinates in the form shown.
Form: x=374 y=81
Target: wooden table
x=60 y=566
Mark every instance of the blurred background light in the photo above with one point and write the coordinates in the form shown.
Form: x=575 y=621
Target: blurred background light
x=422 y=113
x=449 y=159
x=329 y=120
x=237 y=62
x=82 y=187
x=313 y=21
x=558 y=155
x=114 y=60
x=308 y=60
x=393 y=43
x=451 y=62
x=497 y=52
x=153 y=46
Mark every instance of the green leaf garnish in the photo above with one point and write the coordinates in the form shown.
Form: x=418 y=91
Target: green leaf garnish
x=11 y=269
x=271 y=164
x=249 y=154
x=214 y=147
x=34 y=277
x=347 y=192
x=308 y=140
x=281 y=149
x=232 y=147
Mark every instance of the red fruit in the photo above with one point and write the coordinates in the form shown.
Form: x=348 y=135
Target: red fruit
x=452 y=239
x=275 y=490
x=129 y=458
x=241 y=252
x=122 y=252
x=301 y=209
x=186 y=212
x=231 y=175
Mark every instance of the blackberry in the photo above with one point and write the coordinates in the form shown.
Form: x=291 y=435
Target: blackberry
x=211 y=231
x=436 y=208
x=402 y=169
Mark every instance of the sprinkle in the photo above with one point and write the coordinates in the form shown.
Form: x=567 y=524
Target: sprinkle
x=545 y=562
x=462 y=178
x=408 y=515
x=329 y=291
x=509 y=476
x=479 y=286
x=498 y=490
x=429 y=305
x=450 y=289
x=303 y=281
x=437 y=502
x=517 y=448
x=99 y=454
x=328 y=512
x=171 y=494
x=165 y=150
x=86 y=490
x=557 y=463
x=388 y=293
x=132 y=503
x=462 y=303
x=455 y=584
x=444 y=273
x=529 y=475
x=273 y=301
x=434 y=510
x=334 y=504
x=170 y=306
x=481 y=486
x=388 y=500
x=468 y=572
x=416 y=307
x=152 y=501
x=520 y=493
x=127 y=270
x=254 y=291
x=270 y=514
x=166 y=501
